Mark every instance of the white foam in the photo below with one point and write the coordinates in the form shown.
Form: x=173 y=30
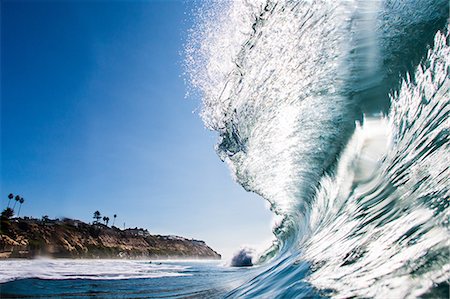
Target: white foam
x=87 y=269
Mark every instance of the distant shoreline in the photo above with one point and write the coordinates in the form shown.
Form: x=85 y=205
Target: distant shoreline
x=75 y=239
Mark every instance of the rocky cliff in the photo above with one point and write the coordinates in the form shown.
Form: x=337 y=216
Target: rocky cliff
x=75 y=239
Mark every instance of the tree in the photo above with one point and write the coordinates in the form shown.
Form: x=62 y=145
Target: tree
x=5 y=218
x=107 y=221
x=97 y=216
x=44 y=218
x=114 y=220
x=21 y=201
x=104 y=219
x=17 y=198
x=7 y=213
x=10 y=196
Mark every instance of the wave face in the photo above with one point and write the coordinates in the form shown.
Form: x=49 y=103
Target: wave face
x=293 y=88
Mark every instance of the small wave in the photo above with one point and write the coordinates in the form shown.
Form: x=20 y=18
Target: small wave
x=86 y=269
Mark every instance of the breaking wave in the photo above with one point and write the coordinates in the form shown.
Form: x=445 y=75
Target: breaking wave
x=336 y=113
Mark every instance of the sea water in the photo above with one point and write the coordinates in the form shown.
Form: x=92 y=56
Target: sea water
x=67 y=278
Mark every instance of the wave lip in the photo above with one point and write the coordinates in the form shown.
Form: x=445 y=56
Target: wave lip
x=276 y=93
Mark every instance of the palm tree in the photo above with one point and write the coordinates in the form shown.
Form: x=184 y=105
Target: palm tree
x=17 y=198
x=114 y=220
x=10 y=196
x=104 y=219
x=97 y=215
x=21 y=201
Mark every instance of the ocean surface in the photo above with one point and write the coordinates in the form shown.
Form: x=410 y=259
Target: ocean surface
x=337 y=113
x=65 y=278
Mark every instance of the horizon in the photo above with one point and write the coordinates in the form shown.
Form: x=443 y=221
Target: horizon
x=95 y=118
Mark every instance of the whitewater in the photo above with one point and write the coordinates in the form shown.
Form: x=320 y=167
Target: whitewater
x=337 y=114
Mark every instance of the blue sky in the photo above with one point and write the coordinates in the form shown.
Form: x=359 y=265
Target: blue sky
x=93 y=117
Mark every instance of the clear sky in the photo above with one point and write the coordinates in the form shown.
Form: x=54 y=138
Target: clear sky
x=93 y=117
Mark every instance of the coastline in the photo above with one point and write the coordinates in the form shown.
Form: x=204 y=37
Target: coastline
x=68 y=238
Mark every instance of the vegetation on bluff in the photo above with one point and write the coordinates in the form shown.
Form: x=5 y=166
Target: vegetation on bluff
x=69 y=238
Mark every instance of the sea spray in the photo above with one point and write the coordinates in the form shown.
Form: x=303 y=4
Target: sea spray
x=279 y=100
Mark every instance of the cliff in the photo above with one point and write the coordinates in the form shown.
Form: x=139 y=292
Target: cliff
x=75 y=239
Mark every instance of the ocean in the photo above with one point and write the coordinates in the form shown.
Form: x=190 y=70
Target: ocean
x=67 y=278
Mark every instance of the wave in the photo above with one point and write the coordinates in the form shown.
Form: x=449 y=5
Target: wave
x=313 y=115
